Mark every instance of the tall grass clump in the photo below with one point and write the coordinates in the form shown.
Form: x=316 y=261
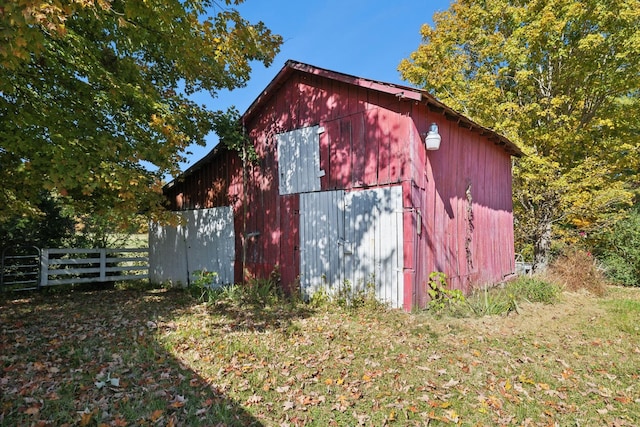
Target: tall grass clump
x=534 y=289
x=486 y=301
x=575 y=270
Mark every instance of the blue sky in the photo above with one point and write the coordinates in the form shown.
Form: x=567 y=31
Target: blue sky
x=365 y=38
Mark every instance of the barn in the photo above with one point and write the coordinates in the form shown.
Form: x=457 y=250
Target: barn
x=346 y=192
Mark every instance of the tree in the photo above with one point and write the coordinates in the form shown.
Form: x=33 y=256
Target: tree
x=94 y=96
x=561 y=78
x=619 y=250
x=52 y=227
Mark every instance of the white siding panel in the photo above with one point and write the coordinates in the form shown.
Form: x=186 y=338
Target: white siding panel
x=320 y=252
x=353 y=239
x=299 y=161
x=374 y=229
x=205 y=242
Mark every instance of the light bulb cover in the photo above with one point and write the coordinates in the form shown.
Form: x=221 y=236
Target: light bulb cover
x=433 y=139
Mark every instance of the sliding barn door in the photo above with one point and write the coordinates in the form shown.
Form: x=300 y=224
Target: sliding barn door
x=352 y=240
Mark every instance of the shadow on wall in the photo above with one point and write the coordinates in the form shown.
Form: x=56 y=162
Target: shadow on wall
x=206 y=242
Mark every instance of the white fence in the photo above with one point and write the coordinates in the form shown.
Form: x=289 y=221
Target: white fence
x=72 y=266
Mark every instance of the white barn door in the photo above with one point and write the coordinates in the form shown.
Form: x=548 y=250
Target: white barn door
x=205 y=242
x=353 y=239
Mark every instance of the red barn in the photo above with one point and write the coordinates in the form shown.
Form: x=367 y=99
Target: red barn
x=346 y=193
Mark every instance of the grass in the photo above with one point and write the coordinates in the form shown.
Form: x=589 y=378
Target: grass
x=266 y=361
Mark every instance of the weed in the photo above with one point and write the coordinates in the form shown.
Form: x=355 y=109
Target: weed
x=348 y=297
x=320 y=298
x=534 y=289
x=441 y=296
x=202 y=288
x=492 y=301
x=262 y=291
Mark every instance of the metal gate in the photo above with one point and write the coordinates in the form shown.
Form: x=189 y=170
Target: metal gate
x=20 y=268
x=353 y=240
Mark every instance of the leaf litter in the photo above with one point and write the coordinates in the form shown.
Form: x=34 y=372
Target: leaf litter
x=157 y=357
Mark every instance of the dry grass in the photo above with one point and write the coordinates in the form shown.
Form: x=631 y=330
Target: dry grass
x=577 y=270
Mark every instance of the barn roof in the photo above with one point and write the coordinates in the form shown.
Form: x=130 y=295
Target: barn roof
x=402 y=92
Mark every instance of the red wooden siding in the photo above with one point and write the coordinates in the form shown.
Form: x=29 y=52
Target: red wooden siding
x=463 y=193
x=355 y=151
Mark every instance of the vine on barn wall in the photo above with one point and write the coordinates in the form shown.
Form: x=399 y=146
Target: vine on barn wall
x=232 y=134
x=468 y=243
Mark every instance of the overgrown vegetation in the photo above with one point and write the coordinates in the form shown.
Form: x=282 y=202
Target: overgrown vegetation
x=161 y=357
x=349 y=297
x=576 y=269
x=619 y=250
x=499 y=300
x=440 y=295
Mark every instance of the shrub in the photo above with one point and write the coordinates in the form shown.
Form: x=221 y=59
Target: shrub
x=202 y=287
x=441 y=296
x=619 y=251
x=577 y=269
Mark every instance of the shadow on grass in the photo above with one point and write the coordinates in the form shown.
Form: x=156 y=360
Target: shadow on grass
x=93 y=358
x=259 y=316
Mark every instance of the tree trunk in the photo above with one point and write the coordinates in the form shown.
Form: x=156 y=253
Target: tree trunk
x=542 y=244
x=542 y=247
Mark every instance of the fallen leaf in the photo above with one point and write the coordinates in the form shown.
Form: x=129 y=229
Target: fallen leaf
x=155 y=415
x=32 y=410
x=86 y=418
x=623 y=399
x=252 y=400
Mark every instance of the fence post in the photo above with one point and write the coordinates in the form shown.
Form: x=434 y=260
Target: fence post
x=103 y=264
x=44 y=267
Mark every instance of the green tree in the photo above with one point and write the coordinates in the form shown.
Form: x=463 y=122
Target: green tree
x=51 y=227
x=94 y=96
x=619 y=250
x=561 y=78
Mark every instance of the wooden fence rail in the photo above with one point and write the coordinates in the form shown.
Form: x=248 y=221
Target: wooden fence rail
x=71 y=266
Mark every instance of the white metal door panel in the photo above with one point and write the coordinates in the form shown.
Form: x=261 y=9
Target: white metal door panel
x=353 y=239
x=374 y=242
x=167 y=261
x=299 y=160
x=205 y=242
x=321 y=222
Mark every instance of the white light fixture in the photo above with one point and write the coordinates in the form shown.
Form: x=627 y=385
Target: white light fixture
x=433 y=139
